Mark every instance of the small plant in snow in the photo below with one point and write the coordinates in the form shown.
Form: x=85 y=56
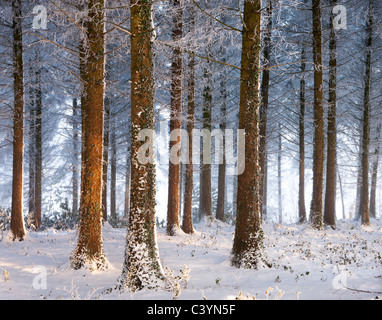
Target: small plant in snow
x=175 y=281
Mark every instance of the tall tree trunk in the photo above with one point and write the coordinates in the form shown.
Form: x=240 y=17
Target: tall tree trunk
x=31 y=151
x=38 y=172
x=17 y=227
x=141 y=266
x=173 y=206
x=187 y=223
x=127 y=185
x=374 y=175
x=364 y=196
x=105 y=165
x=264 y=111
x=113 y=169
x=279 y=176
x=319 y=132
x=75 y=164
x=220 y=209
x=248 y=233
x=330 y=195
x=89 y=250
x=205 y=166
x=301 y=121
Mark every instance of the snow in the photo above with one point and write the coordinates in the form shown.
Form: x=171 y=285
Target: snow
x=306 y=264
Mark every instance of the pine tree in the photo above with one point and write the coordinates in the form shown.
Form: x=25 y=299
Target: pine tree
x=319 y=133
x=364 y=195
x=173 y=206
x=89 y=250
x=141 y=265
x=17 y=227
x=248 y=232
x=330 y=195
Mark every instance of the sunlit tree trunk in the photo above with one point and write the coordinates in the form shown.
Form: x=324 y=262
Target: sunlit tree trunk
x=89 y=250
x=17 y=227
x=173 y=206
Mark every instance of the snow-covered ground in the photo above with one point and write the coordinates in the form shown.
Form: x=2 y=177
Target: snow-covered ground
x=307 y=264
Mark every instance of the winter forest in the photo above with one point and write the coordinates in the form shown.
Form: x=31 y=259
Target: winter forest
x=190 y=150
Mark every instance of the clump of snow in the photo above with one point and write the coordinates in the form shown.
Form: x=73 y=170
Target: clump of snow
x=345 y=263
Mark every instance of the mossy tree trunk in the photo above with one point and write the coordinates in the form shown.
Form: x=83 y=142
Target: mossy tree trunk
x=248 y=233
x=89 y=250
x=141 y=266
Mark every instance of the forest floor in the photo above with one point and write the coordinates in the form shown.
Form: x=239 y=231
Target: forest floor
x=306 y=264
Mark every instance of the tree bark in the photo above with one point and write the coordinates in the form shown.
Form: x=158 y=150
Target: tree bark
x=89 y=250
x=364 y=196
x=32 y=150
x=205 y=166
x=301 y=121
x=187 y=223
x=141 y=266
x=330 y=195
x=173 y=206
x=248 y=233
x=279 y=176
x=264 y=111
x=113 y=169
x=105 y=165
x=17 y=227
x=319 y=133
x=38 y=166
x=220 y=209
x=374 y=175
x=75 y=178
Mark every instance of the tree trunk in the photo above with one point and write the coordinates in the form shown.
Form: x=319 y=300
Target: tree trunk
x=301 y=121
x=113 y=170
x=17 y=227
x=330 y=195
x=248 y=233
x=364 y=196
x=32 y=151
x=141 y=266
x=187 y=223
x=173 y=206
x=75 y=178
x=319 y=133
x=89 y=250
x=264 y=110
x=205 y=166
x=279 y=177
x=220 y=209
x=374 y=175
x=105 y=165
x=38 y=166
x=127 y=185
